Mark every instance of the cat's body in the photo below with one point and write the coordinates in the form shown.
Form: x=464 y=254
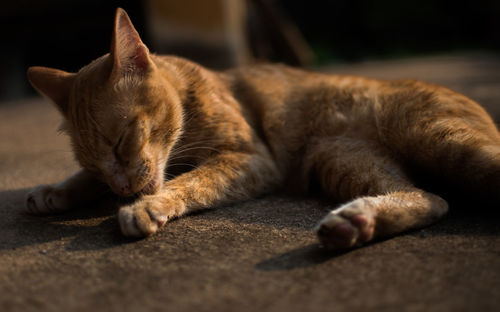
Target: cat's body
x=220 y=137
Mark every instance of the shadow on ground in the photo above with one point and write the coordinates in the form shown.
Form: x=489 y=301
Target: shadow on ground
x=90 y=227
x=96 y=226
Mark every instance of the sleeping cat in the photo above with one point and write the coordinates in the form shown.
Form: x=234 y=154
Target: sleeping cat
x=183 y=138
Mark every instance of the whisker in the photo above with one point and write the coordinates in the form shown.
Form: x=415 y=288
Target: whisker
x=183 y=164
x=190 y=156
x=168 y=175
x=182 y=146
x=195 y=148
x=188 y=145
x=203 y=141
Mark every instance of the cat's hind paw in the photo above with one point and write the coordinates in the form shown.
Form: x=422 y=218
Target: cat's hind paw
x=144 y=217
x=46 y=199
x=348 y=226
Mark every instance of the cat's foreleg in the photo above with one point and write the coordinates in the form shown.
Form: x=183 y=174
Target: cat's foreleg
x=80 y=188
x=224 y=178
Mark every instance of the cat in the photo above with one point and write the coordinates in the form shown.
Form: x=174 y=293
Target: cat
x=182 y=138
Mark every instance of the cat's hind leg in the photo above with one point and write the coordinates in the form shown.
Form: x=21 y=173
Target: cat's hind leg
x=443 y=135
x=381 y=200
x=80 y=188
x=369 y=217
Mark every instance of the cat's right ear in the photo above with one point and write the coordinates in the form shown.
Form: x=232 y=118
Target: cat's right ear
x=129 y=54
x=53 y=83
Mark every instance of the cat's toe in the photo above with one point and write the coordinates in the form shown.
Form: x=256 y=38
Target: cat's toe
x=134 y=223
x=141 y=219
x=336 y=233
x=31 y=203
x=45 y=199
x=347 y=227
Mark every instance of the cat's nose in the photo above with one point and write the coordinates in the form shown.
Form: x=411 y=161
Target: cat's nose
x=122 y=185
x=126 y=190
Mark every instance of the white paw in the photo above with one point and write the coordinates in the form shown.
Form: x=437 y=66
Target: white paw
x=45 y=199
x=350 y=225
x=144 y=217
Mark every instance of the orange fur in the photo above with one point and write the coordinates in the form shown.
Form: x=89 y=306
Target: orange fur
x=187 y=138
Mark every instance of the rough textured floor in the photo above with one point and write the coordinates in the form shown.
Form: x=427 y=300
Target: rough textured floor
x=255 y=256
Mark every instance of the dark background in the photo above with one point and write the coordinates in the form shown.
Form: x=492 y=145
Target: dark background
x=69 y=34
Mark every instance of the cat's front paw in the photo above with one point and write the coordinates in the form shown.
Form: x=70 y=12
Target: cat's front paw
x=146 y=216
x=45 y=199
x=348 y=226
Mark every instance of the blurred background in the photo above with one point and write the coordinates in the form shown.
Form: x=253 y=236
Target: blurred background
x=225 y=33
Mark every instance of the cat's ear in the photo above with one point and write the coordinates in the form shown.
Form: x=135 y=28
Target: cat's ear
x=129 y=54
x=53 y=83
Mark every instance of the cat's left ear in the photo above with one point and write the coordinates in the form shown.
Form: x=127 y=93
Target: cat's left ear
x=130 y=55
x=54 y=83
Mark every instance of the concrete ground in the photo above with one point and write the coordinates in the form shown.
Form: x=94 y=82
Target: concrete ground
x=259 y=255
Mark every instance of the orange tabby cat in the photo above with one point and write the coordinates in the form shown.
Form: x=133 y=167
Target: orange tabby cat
x=185 y=138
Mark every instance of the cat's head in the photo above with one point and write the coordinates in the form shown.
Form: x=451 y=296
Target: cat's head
x=122 y=114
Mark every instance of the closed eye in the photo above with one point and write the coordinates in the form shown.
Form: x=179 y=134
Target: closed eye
x=117 y=146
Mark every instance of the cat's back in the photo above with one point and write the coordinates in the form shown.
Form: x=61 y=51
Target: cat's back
x=275 y=91
x=290 y=106
x=283 y=97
